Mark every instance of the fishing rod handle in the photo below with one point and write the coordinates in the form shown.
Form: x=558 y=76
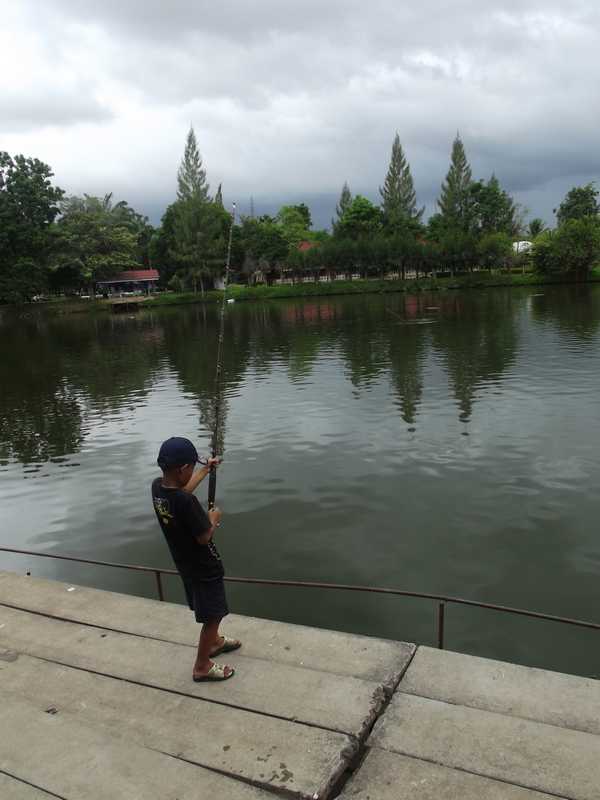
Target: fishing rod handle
x=212 y=487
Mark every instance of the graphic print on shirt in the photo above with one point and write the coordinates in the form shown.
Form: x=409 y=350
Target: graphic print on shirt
x=161 y=505
x=213 y=550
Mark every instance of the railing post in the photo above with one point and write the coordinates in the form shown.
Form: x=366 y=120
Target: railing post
x=159 y=585
x=440 y=625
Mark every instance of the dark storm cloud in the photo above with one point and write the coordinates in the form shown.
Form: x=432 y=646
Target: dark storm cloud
x=289 y=100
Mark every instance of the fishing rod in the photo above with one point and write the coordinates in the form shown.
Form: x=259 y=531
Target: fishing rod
x=212 y=478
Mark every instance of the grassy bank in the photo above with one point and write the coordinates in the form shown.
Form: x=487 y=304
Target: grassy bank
x=59 y=306
x=477 y=280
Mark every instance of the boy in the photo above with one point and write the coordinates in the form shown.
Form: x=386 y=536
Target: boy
x=189 y=532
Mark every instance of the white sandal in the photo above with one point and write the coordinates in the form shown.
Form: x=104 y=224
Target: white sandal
x=216 y=673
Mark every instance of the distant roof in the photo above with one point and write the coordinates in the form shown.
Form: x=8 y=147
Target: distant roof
x=305 y=245
x=133 y=275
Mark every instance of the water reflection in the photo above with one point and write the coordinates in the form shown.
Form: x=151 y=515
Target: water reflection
x=574 y=311
x=40 y=413
x=478 y=342
x=56 y=371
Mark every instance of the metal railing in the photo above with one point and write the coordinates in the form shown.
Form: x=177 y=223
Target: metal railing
x=442 y=600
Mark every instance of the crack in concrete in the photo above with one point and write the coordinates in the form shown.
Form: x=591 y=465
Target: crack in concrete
x=382 y=698
x=351 y=756
x=33 y=785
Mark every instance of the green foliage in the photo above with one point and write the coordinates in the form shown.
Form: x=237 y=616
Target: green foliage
x=263 y=242
x=455 y=202
x=542 y=255
x=343 y=203
x=320 y=236
x=21 y=278
x=361 y=219
x=494 y=250
x=94 y=240
x=535 y=228
x=492 y=210
x=436 y=228
x=200 y=234
x=29 y=203
x=573 y=249
x=161 y=248
x=580 y=202
x=399 y=199
x=295 y=223
x=457 y=250
x=191 y=177
x=219 y=197
x=119 y=214
x=304 y=212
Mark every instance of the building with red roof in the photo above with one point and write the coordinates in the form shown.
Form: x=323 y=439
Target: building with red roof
x=132 y=280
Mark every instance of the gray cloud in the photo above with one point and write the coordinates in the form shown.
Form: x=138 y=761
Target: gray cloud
x=288 y=101
x=21 y=111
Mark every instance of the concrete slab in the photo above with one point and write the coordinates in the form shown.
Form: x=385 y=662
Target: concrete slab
x=529 y=754
x=73 y=761
x=389 y=776
x=364 y=657
x=336 y=702
x=551 y=697
x=264 y=750
x=11 y=789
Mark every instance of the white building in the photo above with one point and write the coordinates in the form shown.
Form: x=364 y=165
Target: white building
x=522 y=247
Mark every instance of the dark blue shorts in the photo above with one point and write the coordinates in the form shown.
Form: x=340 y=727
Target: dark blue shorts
x=206 y=599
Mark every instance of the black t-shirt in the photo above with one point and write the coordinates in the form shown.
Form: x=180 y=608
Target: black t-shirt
x=182 y=519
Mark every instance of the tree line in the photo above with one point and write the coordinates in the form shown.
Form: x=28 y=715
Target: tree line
x=52 y=242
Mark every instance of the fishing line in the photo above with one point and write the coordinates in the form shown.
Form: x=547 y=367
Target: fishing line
x=212 y=479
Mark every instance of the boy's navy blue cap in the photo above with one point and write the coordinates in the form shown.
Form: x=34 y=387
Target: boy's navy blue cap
x=176 y=452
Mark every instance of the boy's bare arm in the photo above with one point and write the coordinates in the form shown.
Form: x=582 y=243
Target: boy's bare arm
x=199 y=475
x=196 y=479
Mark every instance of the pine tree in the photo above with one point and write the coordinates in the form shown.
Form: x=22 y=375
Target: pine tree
x=455 y=199
x=219 y=197
x=398 y=192
x=344 y=203
x=191 y=177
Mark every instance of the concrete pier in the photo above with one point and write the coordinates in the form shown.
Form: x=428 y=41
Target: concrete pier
x=97 y=701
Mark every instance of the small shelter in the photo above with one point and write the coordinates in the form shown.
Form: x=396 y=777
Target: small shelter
x=133 y=281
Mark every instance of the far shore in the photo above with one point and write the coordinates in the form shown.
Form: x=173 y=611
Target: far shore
x=300 y=289
x=478 y=280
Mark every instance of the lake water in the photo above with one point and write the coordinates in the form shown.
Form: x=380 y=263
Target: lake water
x=442 y=443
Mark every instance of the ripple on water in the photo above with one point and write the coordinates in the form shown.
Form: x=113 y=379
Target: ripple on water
x=465 y=449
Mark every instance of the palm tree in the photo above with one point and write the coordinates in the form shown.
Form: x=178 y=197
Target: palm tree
x=536 y=226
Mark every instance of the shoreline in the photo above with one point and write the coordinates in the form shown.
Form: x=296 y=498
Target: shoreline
x=242 y=293
x=364 y=286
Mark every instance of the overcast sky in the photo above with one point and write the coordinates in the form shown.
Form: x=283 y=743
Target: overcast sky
x=288 y=100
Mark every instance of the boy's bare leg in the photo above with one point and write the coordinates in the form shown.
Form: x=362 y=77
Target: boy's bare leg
x=209 y=636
